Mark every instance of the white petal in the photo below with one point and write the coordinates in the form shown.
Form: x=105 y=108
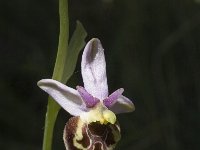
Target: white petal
x=68 y=98
x=93 y=68
x=123 y=105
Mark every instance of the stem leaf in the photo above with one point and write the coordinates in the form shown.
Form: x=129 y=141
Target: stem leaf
x=76 y=43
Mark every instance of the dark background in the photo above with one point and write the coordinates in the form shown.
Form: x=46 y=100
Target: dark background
x=152 y=50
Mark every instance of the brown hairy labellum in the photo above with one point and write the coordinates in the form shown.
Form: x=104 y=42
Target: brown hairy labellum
x=79 y=135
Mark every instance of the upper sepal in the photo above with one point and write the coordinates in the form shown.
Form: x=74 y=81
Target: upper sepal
x=93 y=69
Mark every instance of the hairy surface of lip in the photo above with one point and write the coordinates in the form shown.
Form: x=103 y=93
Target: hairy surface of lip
x=94 y=136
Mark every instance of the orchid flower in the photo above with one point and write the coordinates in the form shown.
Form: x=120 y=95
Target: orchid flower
x=94 y=125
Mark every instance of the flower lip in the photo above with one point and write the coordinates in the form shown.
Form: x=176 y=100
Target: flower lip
x=89 y=100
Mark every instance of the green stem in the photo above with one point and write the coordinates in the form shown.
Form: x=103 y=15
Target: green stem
x=53 y=108
x=51 y=115
x=63 y=41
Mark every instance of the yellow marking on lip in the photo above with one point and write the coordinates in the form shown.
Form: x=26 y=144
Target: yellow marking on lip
x=79 y=135
x=99 y=113
x=109 y=116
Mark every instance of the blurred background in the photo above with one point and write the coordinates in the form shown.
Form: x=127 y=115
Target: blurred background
x=152 y=50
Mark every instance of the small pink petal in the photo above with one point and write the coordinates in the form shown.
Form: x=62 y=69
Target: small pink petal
x=112 y=98
x=89 y=100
